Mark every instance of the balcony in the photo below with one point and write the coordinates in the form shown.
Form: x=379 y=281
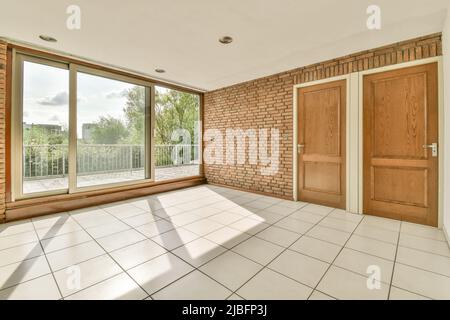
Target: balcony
x=46 y=167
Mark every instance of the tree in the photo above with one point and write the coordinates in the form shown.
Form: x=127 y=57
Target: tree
x=135 y=114
x=175 y=110
x=109 y=130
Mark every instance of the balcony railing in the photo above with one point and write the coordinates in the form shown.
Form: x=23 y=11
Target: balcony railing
x=49 y=161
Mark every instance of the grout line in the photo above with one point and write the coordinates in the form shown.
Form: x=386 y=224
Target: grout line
x=332 y=262
x=395 y=261
x=48 y=264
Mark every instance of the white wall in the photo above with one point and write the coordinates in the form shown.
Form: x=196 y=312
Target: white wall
x=446 y=49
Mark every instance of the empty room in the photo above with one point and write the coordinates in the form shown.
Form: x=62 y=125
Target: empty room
x=224 y=150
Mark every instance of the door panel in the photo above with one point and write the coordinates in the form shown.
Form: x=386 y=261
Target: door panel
x=400 y=120
x=321 y=160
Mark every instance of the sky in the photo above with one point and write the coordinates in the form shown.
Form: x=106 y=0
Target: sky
x=46 y=96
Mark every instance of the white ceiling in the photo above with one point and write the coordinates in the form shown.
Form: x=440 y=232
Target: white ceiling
x=181 y=35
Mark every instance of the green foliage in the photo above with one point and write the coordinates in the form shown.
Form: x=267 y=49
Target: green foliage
x=37 y=135
x=135 y=114
x=109 y=130
x=175 y=110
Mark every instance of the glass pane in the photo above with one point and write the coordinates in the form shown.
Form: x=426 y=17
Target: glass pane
x=45 y=128
x=177 y=116
x=110 y=131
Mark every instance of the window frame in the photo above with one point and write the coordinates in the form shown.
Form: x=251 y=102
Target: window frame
x=19 y=57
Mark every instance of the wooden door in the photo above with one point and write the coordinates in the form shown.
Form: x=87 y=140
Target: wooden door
x=400 y=121
x=321 y=138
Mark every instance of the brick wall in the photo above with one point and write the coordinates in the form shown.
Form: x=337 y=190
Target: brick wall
x=2 y=127
x=267 y=103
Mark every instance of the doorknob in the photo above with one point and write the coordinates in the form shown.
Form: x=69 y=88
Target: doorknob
x=300 y=147
x=433 y=147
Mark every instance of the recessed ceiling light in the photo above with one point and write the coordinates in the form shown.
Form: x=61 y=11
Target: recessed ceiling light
x=226 y=40
x=47 y=38
x=160 y=70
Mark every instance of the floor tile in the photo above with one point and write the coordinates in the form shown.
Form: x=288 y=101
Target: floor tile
x=329 y=235
x=315 y=248
x=317 y=295
x=400 y=294
x=361 y=262
x=194 y=286
x=299 y=267
x=74 y=255
x=175 y=238
x=51 y=220
x=157 y=273
x=280 y=209
x=382 y=223
x=235 y=297
x=42 y=288
x=231 y=269
x=119 y=287
x=155 y=228
x=227 y=237
x=422 y=282
x=258 y=204
x=258 y=250
x=347 y=285
x=199 y=251
x=19 y=253
x=249 y=226
x=18 y=272
x=376 y=233
x=294 y=225
x=269 y=285
x=225 y=217
x=372 y=246
x=344 y=215
x=208 y=211
x=90 y=272
x=58 y=230
x=203 y=227
x=338 y=224
x=137 y=253
x=314 y=208
x=107 y=229
x=424 y=260
x=123 y=211
x=96 y=219
x=12 y=228
x=279 y=236
x=17 y=239
x=422 y=231
x=265 y=216
x=141 y=219
x=119 y=240
x=183 y=219
x=306 y=216
x=424 y=244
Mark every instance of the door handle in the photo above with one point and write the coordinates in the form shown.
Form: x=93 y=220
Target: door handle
x=433 y=147
x=300 y=147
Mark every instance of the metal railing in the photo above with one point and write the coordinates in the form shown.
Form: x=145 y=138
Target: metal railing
x=49 y=161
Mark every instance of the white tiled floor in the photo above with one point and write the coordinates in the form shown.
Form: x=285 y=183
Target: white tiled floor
x=210 y=242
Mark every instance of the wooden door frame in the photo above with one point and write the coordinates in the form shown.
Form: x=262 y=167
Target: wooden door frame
x=295 y=170
x=441 y=141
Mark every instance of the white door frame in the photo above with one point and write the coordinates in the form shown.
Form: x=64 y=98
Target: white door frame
x=354 y=132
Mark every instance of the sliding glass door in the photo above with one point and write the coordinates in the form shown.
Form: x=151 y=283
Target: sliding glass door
x=45 y=125
x=110 y=131
x=77 y=128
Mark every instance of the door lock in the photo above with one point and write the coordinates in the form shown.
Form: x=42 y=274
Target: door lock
x=433 y=147
x=300 y=147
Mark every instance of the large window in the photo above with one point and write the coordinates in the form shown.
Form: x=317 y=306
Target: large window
x=77 y=128
x=177 y=131
x=45 y=125
x=110 y=131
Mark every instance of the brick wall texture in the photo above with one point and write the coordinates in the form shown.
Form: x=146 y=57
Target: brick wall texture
x=268 y=103
x=2 y=127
